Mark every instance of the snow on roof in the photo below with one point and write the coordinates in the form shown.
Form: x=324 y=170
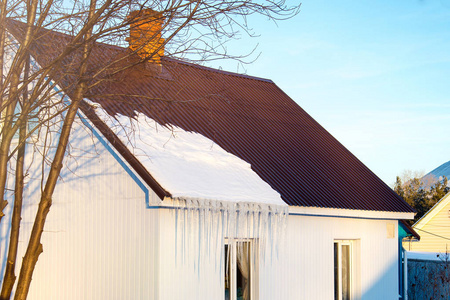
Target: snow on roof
x=187 y=164
x=250 y=118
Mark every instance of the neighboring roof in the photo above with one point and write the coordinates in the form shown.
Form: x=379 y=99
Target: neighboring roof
x=438 y=173
x=409 y=230
x=432 y=212
x=248 y=117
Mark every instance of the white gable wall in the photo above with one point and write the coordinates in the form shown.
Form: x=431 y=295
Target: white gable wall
x=100 y=240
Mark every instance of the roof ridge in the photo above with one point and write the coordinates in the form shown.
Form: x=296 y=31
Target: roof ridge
x=167 y=58
x=229 y=73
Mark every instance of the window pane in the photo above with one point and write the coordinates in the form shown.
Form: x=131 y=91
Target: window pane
x=336 y=271
x=17 y=111
x=345 y=272
x=32 y=120
x=227 y=272
x=243 y=271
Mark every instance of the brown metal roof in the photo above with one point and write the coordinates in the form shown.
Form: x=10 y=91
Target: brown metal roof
x=247 y=116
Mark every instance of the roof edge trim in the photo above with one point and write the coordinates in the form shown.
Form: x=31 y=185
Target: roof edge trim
x=409 y=229
x=349 y=213
x=192 y=202
x=180 y=61
x=123 y=150
x=432 y=212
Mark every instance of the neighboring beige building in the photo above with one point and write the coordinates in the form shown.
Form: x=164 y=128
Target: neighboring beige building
x=434 y=229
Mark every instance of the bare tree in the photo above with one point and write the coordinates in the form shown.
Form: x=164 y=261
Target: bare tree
x=195 y=30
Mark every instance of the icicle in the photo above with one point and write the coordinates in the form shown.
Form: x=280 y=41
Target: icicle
x=204 y=227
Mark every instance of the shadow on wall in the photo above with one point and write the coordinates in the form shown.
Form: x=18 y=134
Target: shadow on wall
x=85 y=166
x=385 y=285
x=5 y=231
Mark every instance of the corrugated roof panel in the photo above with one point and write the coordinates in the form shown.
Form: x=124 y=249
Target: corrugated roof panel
x=249 y=117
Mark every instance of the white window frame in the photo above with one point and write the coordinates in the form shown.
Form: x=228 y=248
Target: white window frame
x=233 y=267
x=341 y=243
x=33 y=137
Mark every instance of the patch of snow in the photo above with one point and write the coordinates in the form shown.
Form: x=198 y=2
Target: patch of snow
x=428 y=256
x=187 y=164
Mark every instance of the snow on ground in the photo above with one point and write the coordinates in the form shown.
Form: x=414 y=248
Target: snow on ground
x=187 y=164
x=428 y=256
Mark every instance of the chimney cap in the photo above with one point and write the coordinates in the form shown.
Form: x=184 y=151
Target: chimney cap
x=144 y=15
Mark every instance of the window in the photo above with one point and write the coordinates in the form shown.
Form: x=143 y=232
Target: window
x=343 y=277
x=32 y=121
x=239 y=270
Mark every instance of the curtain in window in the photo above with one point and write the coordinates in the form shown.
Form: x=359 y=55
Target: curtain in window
x=227 y=272
x=345 y=272
x=243 y=262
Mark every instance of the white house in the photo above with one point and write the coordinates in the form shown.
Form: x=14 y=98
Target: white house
x=195 y=183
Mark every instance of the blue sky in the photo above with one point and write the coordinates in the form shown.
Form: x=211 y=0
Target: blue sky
x=375 y=74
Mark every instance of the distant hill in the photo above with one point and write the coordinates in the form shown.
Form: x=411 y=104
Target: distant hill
x=438 y=173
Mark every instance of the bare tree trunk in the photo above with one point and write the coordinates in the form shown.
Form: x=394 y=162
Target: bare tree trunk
x=3 y=6
x=7 y=133
x=10 y=277
x=35 y=248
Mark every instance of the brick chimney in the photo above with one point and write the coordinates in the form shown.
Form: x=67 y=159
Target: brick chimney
x=145 y=34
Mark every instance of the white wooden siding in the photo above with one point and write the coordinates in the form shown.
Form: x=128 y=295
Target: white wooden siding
x=309 y=257
x=303 y=269
x=100 y=240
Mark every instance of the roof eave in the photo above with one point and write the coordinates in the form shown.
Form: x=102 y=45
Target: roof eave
x=123 y=151
x=409 y=229
x=349 y=213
